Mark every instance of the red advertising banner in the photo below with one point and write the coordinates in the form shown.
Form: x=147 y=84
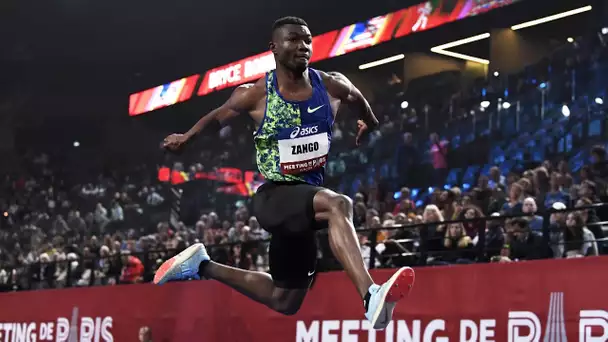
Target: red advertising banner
x=549 y=300
x=162 y=96
x=351 y=38
x=363 y=35
x=243 y=183
x=432 y=14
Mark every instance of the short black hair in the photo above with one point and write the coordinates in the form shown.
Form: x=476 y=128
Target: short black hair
x=520 y=222
x=288 y=21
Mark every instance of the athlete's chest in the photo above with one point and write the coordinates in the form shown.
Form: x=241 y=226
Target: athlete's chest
x=314 y=109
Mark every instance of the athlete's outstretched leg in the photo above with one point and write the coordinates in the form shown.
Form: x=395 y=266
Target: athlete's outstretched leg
x=379 y=301
x=257 y=286
x=338 y=210
x=194 y=262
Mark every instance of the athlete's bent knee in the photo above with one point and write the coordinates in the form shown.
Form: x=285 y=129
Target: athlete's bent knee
x=341 y=204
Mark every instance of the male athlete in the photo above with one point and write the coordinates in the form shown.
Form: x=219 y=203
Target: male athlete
x=294 y=108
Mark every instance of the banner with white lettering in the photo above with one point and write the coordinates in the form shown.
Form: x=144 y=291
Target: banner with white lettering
x=549 y=301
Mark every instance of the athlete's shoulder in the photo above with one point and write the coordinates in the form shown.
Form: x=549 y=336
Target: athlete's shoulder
x=247 y=95
x=329 y=74
x=252 y=89
x=260 y=83
x=334 y=78
x=336 y=83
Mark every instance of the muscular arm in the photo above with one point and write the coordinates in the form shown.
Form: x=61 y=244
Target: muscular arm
x=242 y=99
x=340 y=87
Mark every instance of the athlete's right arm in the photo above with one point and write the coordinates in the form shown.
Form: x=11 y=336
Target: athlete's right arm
x=243 y=99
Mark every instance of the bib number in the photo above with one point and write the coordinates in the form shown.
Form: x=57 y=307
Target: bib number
x=303 y=148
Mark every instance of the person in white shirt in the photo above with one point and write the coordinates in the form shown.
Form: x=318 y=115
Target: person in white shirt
x=117 y=213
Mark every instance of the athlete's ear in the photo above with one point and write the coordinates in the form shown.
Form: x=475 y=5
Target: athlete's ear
x=272 y=46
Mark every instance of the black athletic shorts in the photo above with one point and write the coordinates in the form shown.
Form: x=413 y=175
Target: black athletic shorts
x=286 y=211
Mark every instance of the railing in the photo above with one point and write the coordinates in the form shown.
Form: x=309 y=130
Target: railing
x=413 y=245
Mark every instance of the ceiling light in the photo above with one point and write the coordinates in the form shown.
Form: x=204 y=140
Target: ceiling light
x=381 y=61
x=551 y=18
x=441 y=49
x=463 y=41
x=462 y=56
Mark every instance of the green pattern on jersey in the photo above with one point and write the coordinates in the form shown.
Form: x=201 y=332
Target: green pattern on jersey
x=279 y=115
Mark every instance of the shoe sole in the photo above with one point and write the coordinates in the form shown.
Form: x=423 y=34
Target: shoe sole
x=399 y=287
x=170 y=265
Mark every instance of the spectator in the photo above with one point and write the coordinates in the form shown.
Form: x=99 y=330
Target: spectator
x=360 y=214
x=75 y=222
x=497 y=200
x=117 y=213
x=405 y=205
x=101 y=215
x=536 y=222
x=590 y=219
x=43 y=272
x=435 y=230
x=556 y=194
x=154 y=199
x=496 y=178
x=439 y=157
x=524 y=244
x=449 y=201
x=527 y=184
x=472 y=228
x=456 y=239
x=557 y=227
x=588 y=189
x=60 y=227
x=542 y=181
x=495 y=236
x=578 y=240
x=514 y=205
x=483 y=192
x=366 y=250
x=132 y=270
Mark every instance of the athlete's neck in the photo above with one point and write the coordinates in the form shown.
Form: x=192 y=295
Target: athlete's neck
x=290 y=79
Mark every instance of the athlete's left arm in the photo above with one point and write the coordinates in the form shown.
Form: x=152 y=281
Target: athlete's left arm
x=340 y=87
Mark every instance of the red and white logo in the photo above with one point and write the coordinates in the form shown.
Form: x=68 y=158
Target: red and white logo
x=85 y=329
x=524 y=326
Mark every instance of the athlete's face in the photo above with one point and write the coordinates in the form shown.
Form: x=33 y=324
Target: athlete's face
x=292 y=46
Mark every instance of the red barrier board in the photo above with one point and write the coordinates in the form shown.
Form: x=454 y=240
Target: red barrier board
x=551 y=300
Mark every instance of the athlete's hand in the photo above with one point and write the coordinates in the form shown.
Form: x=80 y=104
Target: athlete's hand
x=362 y=129
x=174 y=142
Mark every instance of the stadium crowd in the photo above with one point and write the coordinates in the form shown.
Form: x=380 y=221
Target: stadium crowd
x=116 y=228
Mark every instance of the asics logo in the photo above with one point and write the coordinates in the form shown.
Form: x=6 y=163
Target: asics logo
x=312 y=110
x=302 y=131
x=295 y=132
